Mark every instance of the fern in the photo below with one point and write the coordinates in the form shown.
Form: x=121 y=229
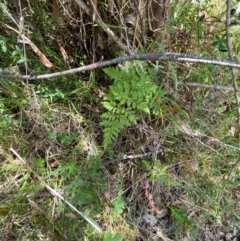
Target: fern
x=131 y=95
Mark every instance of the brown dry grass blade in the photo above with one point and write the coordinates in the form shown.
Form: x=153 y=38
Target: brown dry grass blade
x=43 y=59
x=35 y=49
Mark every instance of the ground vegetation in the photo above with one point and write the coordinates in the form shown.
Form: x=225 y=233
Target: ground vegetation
x=146 y=149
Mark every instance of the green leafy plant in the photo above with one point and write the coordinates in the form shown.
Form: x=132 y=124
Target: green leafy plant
x=220 y=43
x=119 y=205
x=68 y=169
x=52 y=94
x=18 y=55
x=131 y=96
x=180 y=216
x=109 y=237
x=81 y=185
x=66 y=139
x=159 y=173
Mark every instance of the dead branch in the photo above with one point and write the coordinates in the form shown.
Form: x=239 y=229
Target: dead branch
x=168 y=56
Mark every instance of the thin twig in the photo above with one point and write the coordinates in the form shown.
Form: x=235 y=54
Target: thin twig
x=230 y=55
x=234 y=74
x=5 y=11
x=168 y=56
x=207 y=86
x=141 y=24
x=129 y=157
x=21 y=31
x=57 y=194
x=35 y=49
x=38 y=194
x=43 y=194
x=99 y=21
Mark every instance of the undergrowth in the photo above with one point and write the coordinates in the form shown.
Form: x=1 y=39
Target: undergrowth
x=174 y=156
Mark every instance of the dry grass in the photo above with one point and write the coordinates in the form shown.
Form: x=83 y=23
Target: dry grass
x=189 y=191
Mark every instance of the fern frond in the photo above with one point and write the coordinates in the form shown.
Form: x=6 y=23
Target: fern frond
x=131 y=95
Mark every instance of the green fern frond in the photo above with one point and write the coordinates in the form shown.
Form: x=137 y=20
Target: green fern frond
x=131 y=95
